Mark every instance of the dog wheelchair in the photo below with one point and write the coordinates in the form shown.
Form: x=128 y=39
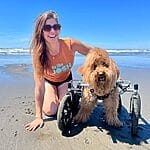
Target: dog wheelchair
x=70 y=104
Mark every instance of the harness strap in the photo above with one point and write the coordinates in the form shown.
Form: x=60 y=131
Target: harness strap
x=103 y=96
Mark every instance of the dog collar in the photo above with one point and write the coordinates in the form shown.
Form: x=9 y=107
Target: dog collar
x=103 y=96
x=100 y=97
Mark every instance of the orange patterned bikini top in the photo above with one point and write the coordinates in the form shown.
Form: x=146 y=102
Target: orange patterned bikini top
x=61 y=63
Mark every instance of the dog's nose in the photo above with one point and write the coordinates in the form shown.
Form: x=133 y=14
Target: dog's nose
x=101 y=77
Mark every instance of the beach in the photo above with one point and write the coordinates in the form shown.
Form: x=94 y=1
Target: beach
x=17 y=109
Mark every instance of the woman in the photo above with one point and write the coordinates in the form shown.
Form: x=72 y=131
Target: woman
x=53 y=58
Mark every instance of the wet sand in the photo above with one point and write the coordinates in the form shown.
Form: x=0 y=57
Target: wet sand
x=17 y=108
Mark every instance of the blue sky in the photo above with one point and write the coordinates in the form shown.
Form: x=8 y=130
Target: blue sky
x=101 y=23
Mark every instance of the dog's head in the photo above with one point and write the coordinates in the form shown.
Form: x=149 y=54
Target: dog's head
x=99 y=71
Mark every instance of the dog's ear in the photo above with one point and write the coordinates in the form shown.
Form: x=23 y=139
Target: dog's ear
x=118 y=73
x=116 y=68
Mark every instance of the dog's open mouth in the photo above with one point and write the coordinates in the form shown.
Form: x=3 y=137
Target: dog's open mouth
x=101 y=77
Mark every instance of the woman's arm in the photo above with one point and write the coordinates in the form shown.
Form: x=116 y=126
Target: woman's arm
x=39 y=97
x=80 y=47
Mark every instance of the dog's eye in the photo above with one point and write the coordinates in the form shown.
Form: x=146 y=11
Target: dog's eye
x=105 y=64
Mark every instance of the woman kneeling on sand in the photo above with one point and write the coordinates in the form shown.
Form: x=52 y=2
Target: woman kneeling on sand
x=53 y=58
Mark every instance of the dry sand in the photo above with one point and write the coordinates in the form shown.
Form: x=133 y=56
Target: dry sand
x=17 y=108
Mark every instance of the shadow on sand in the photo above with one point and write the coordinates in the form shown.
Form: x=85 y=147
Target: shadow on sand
x=117 y=134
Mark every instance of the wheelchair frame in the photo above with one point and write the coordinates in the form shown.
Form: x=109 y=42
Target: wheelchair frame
x=69 y=105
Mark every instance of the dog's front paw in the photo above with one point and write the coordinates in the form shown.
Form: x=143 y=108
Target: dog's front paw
x=116 y=123
x=80 y=118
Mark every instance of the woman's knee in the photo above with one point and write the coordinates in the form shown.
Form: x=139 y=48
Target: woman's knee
x=50 y=109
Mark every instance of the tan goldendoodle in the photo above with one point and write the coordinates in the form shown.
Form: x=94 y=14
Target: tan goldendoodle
x=100 y=72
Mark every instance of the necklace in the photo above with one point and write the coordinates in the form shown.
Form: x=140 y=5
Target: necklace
x=53 y=50
x=54 y=54
x=53 y=57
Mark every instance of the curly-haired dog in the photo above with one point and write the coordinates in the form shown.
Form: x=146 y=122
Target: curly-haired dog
x=100 y=72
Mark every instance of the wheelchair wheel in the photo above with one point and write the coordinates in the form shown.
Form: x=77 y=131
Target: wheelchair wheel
x=68 y=108
x=135 y=108
x=64 y=114
x=119 y=105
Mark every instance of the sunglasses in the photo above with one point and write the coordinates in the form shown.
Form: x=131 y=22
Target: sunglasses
x=48 y=27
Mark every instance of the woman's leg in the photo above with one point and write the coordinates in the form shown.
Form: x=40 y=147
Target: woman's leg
x=52 y=97
x=62 y=89
x=51 y=102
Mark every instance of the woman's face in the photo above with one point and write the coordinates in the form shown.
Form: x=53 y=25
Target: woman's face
x=51 y=30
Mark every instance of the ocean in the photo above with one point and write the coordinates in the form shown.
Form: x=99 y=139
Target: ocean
x=129 y=58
